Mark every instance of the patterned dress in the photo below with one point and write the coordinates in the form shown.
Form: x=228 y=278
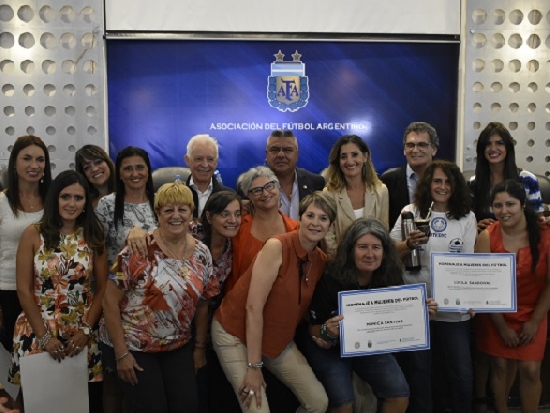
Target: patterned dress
x=62 y=293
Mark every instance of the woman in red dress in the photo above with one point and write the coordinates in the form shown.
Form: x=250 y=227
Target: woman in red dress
x=517 y=339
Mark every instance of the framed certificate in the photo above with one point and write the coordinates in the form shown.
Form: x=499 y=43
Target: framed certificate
x=384 y=320
x=482 y=282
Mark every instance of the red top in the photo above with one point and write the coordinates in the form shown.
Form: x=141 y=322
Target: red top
x=246 y=246
x=529 y=288
x=288 y=299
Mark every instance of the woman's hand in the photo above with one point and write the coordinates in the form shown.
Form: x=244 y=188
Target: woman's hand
x=126 y=367
x=55 y=348
x=415 y=238
x=138 y=241
x=484 y=224
x=322 y=343
x=4 y=409
x=251 y=389
x=509 y=336
x=76 y=343
x=333 y=326
x=432 y=307
x=528 y=332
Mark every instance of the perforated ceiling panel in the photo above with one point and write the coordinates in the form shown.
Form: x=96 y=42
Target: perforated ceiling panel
x=52 y=76
x=507 y=77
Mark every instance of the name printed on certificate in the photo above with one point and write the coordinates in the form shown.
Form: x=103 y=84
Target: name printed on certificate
x=384 y=320
x=482 y=282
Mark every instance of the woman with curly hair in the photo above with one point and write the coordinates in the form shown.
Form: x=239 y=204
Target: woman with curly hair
x=453 y=229
x=353 y=184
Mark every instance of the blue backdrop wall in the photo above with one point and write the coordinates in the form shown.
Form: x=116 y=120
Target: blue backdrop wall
x=162 y=92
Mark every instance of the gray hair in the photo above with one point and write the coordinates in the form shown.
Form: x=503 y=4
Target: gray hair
x=283 y=134
x=202 y=138
x=253 y=173
x=420 y=127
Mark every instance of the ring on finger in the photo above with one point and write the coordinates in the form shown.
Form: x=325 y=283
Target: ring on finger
x=251 y=393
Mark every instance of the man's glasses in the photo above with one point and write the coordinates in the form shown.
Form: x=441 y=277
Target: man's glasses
x=260 y=189
x=422 y=146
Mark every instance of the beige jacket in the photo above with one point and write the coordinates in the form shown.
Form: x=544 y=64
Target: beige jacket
x=376 y=206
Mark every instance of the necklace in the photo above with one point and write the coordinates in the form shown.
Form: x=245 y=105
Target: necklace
x=175 y=256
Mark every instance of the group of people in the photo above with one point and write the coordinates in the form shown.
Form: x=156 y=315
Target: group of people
x=196 y=298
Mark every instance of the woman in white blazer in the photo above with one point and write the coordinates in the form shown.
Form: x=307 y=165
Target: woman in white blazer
x=353 y=184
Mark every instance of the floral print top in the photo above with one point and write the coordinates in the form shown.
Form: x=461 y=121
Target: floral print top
x=161 y=296
x=63 y=294
x=139 y=215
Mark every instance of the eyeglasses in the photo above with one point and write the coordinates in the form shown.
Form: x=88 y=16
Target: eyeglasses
x=422 y=146
x=260 y=189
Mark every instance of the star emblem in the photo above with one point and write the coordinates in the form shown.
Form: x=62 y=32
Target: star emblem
x=296 y=56
x=279 y=56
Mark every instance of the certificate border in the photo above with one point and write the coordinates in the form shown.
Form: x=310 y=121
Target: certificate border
x=426 y=346
x=475 y=256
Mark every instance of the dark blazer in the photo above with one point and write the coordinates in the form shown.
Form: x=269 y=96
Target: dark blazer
x=216 y=187
x=396 y=181
x=308 y=182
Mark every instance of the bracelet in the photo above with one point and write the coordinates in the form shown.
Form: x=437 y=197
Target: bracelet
x=258 y=365
x=325 y=334
x=44 y=340
x=122 y=356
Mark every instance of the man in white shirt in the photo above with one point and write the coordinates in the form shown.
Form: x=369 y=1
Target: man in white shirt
x=202 y=158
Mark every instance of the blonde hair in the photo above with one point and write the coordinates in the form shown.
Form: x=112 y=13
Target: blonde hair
x=173 y=193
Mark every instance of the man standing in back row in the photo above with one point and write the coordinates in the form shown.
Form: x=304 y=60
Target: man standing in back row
x=420 y=144
x=202 y=158
x=281 y=157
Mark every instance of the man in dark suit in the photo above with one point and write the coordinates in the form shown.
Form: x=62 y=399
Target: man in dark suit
x=420 y=144
x=281 y=157
x=202 y=158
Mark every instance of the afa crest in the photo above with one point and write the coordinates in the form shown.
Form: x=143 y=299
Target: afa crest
x=287 y=87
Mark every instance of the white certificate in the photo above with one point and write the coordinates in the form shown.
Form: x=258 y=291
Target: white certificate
x=51 y=386
x=482 y=282
x=384 y=320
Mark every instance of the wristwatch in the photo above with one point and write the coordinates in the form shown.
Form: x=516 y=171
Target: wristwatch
x=86 y=328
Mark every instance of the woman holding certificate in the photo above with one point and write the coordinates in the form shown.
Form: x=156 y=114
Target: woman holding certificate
x=517 y=339
x=366 y=258
x=442 y=195
x=55 y=262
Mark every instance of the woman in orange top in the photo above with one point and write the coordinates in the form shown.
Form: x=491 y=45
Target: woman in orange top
x=517 y=338
x=265 y=220
x=257 y=319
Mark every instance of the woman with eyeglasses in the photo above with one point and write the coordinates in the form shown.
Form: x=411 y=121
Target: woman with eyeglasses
x=219 y=224
x=257 y=320
x=353 y=184
x=127 y=211
x=94 y=163
x=265 y=220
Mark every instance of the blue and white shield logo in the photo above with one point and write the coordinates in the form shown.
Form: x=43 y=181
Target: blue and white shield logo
x=287 y=87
